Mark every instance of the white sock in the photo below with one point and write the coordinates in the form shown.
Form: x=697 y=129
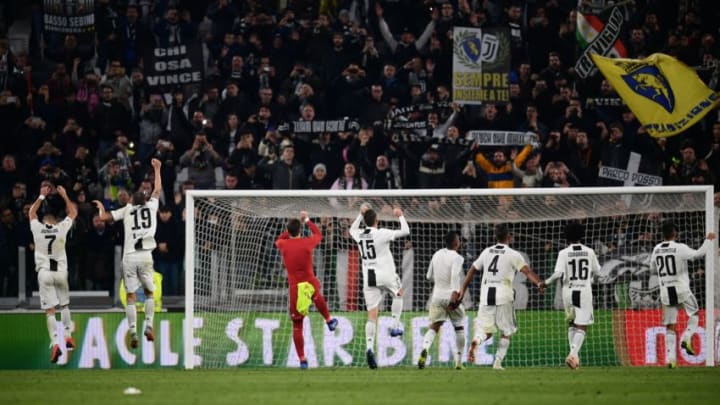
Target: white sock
x=131 y=313
x=571 y=334
x=428 y=339
x=502 y=349
x=460 y=342
x=691 y=326
x=66 y=321
x=670 y=346
x=370 y=335
x=578 y=340
x=52 y=328
x=149 y=311
x=396 y=310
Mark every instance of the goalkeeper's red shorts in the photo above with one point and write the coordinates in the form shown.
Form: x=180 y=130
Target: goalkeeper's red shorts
x=295 y=313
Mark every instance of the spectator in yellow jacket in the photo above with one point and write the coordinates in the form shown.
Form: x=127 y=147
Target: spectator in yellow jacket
x=499 y=170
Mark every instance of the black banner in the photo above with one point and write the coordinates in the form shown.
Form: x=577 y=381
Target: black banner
x=69 y=17
x=319 y=126
x=179 y=65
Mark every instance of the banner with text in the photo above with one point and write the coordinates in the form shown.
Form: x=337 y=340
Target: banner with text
x=262 y=339
x=504 y=138
x=166 y=68
x=481 y=65
x=69 y=17
x=599 y=31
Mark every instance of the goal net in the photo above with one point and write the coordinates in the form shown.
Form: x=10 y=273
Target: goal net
x=237 y=290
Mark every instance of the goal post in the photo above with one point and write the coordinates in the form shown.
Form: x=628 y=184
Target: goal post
x=236 y=289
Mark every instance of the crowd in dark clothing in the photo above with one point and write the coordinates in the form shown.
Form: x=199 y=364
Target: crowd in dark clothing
x=87 y=118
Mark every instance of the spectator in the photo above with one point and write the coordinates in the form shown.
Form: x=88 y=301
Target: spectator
x=244 y=154
x=499 y=170
x=383 y=177
x=110 y=116
x=112 y=180
x=172 y=30
x=168 y=255
x=284 y=173
x=431 y=173
x=350 y=180
x=9 y=174
x=201 y=161
x=407 y=47
x=319 y=179
x=119 y=82
x=100 y=244
x=150 y=127
x=9 y=241
x=531 y=175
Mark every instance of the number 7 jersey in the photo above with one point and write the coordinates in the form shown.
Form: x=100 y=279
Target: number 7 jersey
x=50 y=244
x=139 y=225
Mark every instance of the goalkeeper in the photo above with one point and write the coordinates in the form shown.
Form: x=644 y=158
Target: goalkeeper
x=297 y=254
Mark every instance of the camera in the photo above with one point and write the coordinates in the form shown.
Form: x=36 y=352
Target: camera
x=204 y=122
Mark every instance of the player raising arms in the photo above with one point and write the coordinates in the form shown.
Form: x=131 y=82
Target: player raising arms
x=297 y=254
x=447 y=273
x=139 y=223
x=576 y=265
x=379 y=275
x=669 y=260
x=500 y=263
x=52 y=267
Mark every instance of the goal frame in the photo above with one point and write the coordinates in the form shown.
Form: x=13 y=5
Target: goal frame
x=711 y=260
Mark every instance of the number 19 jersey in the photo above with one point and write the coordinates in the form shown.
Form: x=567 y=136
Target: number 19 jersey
x=499 y=264
x=139 y=224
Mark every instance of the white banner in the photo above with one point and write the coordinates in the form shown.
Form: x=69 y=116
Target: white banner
x=490 y=138
x=614 y=173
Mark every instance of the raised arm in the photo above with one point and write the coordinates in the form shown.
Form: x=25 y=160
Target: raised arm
x=156 y=164
x=425 y=36
x=316 y=236
x=32 y=214
x=385 y=29
x=69 y=205
x=105 y=216
x=355 y=226
x=704 y=248
x=404 y=227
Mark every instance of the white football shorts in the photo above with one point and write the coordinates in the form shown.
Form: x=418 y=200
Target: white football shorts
x=497 y=317
x=138 y=270
x=54 y=290
x=578 y=306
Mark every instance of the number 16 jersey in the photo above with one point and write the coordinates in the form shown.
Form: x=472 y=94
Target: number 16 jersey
x=139 y=225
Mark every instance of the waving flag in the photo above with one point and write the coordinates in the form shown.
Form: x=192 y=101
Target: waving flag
x=665 y=95
x=599 y=34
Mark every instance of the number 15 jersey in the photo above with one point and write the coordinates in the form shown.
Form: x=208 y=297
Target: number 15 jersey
x=499 y=264
x=374 y=245
x=139 y=224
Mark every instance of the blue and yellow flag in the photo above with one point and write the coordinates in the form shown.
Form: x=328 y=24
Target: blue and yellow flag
x=665 y=95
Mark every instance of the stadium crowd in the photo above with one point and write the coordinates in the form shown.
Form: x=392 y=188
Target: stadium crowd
x=83 y=115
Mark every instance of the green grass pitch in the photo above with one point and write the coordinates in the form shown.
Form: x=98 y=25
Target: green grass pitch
x=614 y=385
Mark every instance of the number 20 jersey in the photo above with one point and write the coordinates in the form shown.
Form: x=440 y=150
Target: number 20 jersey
x=669 y=262
x=139 y=225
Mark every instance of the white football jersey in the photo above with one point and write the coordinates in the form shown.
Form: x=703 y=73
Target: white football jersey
x=669 y=262
x=139 y=224
x=577 y=264
x=499 y=264
x=50 y=244
x=447 y=274
x=374 y=245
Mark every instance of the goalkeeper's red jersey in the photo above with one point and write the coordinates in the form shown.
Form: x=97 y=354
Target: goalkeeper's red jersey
x=297 y=254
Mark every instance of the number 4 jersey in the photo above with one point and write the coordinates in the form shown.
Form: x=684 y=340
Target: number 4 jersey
x=139 y=224
x=499 y=264
x=669 y=262
x=50 y=244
